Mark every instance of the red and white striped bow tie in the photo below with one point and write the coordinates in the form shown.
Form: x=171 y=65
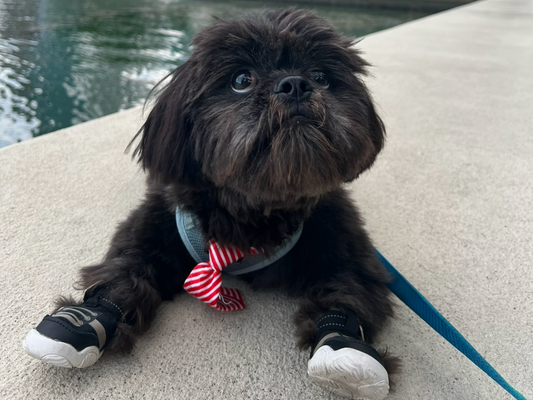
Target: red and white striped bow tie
x=205 y=280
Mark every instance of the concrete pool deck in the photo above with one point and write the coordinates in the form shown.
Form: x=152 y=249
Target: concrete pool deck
x=449 y=202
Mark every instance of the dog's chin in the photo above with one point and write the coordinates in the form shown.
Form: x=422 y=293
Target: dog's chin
x=299 y=164
x=295 y=158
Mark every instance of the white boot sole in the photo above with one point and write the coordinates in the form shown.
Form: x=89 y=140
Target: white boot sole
x=349 y=373
x=58 y=353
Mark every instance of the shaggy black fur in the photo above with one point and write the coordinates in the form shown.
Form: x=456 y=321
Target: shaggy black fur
x=253 y=167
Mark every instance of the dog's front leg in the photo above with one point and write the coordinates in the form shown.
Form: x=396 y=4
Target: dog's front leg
x=344 y=301
x=338 y=320
x=146 y=263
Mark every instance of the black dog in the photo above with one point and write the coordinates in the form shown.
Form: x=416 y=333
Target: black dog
x=252 y=140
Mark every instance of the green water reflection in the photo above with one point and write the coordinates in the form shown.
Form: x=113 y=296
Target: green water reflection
x=63 y=62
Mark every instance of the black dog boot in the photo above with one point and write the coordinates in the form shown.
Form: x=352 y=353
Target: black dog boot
x=74 y=336
x=342 y=362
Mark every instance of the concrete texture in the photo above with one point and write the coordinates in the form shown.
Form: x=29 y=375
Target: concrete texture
x=449 y=202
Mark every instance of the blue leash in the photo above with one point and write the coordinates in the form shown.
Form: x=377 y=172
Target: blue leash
x=423 y=308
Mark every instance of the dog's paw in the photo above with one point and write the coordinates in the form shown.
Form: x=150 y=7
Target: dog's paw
x=349 y=372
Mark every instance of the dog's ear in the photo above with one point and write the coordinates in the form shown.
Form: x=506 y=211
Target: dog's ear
x=343 y=52
x=375 y=126
x=165 y=149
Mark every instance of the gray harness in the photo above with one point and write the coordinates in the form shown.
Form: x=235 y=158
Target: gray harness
x=193 y=240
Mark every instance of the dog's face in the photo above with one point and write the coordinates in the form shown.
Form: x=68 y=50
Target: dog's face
x=271 y=107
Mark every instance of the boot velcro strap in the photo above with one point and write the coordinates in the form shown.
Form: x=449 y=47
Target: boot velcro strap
x=345 y=322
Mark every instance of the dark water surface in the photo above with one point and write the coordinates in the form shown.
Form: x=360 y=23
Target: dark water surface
x=63 y=62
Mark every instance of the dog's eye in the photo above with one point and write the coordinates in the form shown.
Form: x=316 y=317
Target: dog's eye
x=243 y=81
x=320 y=78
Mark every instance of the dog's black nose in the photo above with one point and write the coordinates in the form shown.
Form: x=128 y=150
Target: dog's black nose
x=294 y=87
